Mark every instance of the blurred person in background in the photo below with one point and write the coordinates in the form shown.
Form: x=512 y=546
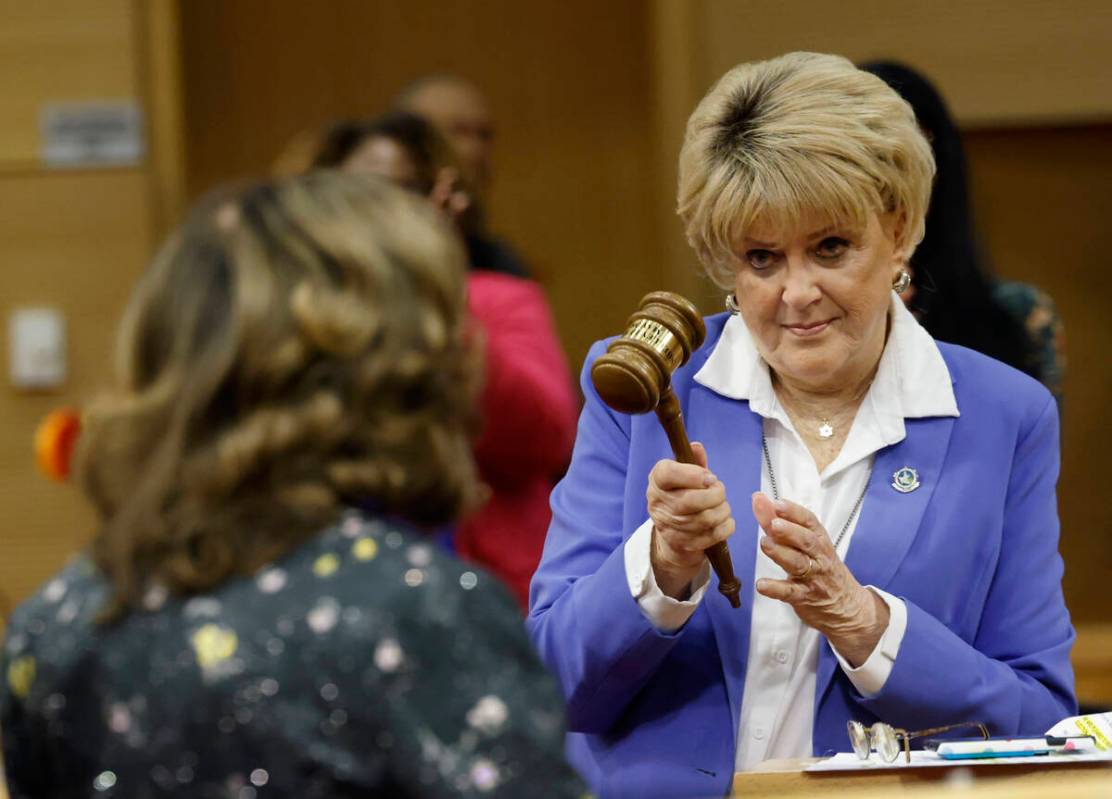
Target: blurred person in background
x=462 y=115
x=953 y=292
x=528 y=404
x=261 y=612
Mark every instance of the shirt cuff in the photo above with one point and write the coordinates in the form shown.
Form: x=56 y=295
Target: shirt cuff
x=869 y=678
x=664 y=613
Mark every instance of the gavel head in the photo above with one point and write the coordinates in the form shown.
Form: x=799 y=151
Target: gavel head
x=638 y=366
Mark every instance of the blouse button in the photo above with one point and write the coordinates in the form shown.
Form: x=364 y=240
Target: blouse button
x=782 y=656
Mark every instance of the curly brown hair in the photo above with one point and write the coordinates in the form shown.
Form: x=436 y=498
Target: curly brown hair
x=295 y=348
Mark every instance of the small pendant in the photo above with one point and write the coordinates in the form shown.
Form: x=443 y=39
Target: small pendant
x=825 y=430
x=905 y=480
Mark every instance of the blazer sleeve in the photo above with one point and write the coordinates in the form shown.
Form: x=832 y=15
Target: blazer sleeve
x=528 y=401
x=1015 y=674
x=583 y=617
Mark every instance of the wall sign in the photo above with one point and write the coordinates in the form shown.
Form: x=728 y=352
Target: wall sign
x=104 y=133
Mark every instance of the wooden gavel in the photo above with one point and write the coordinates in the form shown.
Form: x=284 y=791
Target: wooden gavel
x=635 y=376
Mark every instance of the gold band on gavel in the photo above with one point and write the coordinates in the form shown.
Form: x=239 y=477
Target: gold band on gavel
x=659 y=338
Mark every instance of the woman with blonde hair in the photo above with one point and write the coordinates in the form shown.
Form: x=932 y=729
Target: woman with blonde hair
x=261 y=613
x=888 y=501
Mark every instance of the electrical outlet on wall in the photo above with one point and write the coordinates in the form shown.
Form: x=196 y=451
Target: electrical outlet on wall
x=37 y=348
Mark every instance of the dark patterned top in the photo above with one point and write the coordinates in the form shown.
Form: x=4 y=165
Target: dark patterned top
x=1034 y=309
x=366 y=663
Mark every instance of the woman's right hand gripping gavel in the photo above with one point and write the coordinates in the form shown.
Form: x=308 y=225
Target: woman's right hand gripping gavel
x=688 y=507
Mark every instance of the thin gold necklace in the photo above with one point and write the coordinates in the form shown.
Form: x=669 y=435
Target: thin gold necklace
x=825 y=429
x=776 y=493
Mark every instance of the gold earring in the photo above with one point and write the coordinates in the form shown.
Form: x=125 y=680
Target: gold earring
x=901 y=282
x=731 y=304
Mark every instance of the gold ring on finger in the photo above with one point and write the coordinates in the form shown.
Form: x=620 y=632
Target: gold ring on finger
x=810 y=567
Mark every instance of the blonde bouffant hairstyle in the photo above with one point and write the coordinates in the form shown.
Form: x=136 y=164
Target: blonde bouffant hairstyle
x=800 y=134
x=295 y=348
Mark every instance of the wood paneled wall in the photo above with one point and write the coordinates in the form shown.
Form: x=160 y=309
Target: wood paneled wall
x=75 y=239
x=567 y=80
x=1042 y=197
x=61 y=50
x=998 y=62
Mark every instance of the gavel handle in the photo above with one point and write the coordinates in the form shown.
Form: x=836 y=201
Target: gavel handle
x=671 y=418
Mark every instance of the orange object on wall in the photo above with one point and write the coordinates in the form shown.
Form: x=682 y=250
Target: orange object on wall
x=54 y=442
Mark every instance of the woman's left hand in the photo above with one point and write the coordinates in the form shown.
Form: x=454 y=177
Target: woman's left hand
x=823 y=592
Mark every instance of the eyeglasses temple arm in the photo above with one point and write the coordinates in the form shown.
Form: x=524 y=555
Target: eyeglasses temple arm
x=949 y=727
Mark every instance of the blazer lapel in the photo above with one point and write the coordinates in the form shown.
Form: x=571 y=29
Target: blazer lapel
x=890 y=519
x=732 y=437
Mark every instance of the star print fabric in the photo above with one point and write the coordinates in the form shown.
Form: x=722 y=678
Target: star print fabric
x=366 y=663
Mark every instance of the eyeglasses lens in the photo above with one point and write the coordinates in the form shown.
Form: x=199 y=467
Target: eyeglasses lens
x=886 y=741
x=859 y=738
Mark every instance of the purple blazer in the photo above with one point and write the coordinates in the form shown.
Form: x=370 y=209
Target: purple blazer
x=973 y=552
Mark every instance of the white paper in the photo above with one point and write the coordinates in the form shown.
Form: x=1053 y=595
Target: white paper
x=848 y=761
x=1098 y=725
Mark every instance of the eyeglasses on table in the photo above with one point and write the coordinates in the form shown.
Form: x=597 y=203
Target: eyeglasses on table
x=886 y=740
